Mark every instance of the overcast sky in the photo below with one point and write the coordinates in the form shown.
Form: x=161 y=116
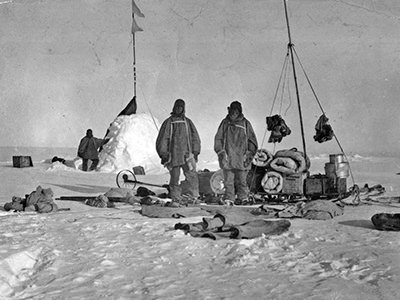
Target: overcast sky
x=66 y=65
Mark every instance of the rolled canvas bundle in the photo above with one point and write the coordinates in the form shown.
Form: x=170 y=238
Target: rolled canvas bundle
x=262 y=158
x=272 y=182
x=290 y=162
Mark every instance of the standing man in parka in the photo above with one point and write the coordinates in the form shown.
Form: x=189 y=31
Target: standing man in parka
x=88 y=150
x=235 y=144
x=178 y=145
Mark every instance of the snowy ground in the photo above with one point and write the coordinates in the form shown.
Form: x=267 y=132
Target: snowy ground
x=105 y=253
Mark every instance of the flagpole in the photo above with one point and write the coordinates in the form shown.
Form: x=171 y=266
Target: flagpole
x=134 y=54
x=290 y=46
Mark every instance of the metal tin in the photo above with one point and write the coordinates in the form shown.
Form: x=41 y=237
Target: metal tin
x=339 y=170
x=336 y=158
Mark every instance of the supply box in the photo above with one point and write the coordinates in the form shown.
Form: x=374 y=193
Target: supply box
x=22 y=161
x=293 y=184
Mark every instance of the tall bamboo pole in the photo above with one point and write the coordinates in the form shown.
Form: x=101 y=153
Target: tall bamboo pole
x=290 y=47
x=134 y=55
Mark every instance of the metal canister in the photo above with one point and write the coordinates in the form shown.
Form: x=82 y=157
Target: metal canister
x=337 y=170
x=342 y=170
x=336 y=158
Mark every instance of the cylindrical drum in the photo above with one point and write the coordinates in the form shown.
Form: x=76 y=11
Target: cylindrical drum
x=336 y=158
x=337 y=170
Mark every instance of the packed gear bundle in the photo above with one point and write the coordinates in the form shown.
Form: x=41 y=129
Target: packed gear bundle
x=40 y=200
x=324 y=131
x=278 y=128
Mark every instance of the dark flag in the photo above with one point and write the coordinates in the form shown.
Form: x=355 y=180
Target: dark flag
x=136 y=11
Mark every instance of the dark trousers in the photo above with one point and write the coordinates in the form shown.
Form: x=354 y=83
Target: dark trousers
x=92 y=166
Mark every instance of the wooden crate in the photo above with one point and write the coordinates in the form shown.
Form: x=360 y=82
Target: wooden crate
x=317 y=185
x=324 y=185
x=138 y=170
x=22 y=161
x=293 y=184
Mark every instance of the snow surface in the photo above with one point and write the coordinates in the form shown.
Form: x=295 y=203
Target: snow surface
x=116 y=253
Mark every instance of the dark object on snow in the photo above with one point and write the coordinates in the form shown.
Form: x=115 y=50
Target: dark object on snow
x=130 y=109
x=143 y=192
x=138 y=170
x=384 y=221
x=378 y=188
x=55 y=158
x=278 y=128
x=324 y=131
x=22 y=161
x=17 y=204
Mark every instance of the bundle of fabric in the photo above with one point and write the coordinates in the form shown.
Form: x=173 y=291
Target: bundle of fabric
x=272 y=182
x=40 y=200
x=278 y=128
x=17 y=204
x=100 y=201
x=314 y=210
x=321 y=210
x=323 y=131
x=119 y=193
x=290 y=162
x=234 y=224
x=262 y=158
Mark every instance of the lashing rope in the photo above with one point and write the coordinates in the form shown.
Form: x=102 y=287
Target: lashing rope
x=323 y=112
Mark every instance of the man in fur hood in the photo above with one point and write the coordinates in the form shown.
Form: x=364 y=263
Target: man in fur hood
x=235 y=144
x=88 y=150
x=178 y=145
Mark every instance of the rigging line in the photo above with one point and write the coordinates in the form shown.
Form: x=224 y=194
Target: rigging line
x=341 y=149
x=151 y=114
x=279 y=81
x=134 y=54
x=285 y=78
x=315 y=95
x=285 y=63
x=290 y=49
x=289 y=95
x=309 y=82
x=265 y=134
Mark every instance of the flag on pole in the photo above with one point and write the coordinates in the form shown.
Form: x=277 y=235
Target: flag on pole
x=135 y=27
x=135 y=11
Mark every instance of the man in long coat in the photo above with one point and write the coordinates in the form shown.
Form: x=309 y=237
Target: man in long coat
x=178 y=145
x=88 y=150
x=235 y=144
